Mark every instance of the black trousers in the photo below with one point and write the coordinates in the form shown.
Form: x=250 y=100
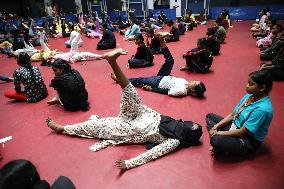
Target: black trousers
x=232 y=145
x=193 y=66
x=276 y=73
x=138 y=63
x=62 y=182
x=104 y=46
x=172 y=39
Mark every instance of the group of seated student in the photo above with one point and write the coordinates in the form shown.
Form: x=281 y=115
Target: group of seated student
x=200 y=59
x=270 y=40
x=241 y=132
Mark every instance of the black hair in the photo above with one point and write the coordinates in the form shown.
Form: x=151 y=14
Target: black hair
x=179 y=19
x=279 y=27
x=262 y=77
x=211 y=30
x=273 y=22
x=104 y=25
x=151 y=31
x=170 y=22
x=93 y=27
x=199 y=90
x=71 y=26
x=202 y=42
x=21 y=174
x=139 y=37
x=264 y=10
x=24 y=60
x=83 y=95
x=219 y=21
x=62 y=64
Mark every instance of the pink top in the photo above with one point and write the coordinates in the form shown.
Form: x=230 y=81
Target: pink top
x=265 y=41
x=262 y=23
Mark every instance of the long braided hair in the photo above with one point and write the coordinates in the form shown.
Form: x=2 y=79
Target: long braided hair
x=83 y=94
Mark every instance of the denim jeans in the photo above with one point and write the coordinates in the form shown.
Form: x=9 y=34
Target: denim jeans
x=165 y=70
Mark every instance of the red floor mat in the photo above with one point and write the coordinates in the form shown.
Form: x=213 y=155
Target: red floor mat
x=193 y=167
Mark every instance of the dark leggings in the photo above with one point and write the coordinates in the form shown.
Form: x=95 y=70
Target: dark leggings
x=138 y=63
x=63 y=182
x=276 y=73
x=172 y=39
x=165 y=70
x=232 y=145
x=104 y=46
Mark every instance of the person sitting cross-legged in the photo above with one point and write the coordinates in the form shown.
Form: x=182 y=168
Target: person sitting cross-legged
x=108 y=40
x=243 y=130
x=198 y=59
x=143 y=56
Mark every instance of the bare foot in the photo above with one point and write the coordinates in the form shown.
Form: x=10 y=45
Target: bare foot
x=113 y=77
x=54 y=126
x=111 y=56
x=53 y=101
x=120 y=164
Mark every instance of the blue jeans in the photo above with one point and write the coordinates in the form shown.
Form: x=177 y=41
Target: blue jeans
x=165 y=70
x=4 y=78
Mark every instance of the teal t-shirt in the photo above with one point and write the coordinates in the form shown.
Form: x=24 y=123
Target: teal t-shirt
x=256 y=117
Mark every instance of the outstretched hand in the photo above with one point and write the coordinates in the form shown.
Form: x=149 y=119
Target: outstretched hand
x=120 y=164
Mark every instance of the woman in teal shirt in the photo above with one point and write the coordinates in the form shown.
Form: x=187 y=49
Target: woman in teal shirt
x=243 y=130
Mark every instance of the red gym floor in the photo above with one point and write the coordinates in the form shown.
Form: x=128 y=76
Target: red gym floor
x=192 y=167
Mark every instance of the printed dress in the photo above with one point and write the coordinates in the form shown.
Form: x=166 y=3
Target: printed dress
x=35 y=88
x=136 y=123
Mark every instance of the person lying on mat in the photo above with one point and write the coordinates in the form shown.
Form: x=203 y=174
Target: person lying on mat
x=135 y=124
x=163 y=82
x=29 y=76
x=22 y=174
x=74 y=55
x=198 y=59
x=143 y=56
x=243 y=130
x=70 y=86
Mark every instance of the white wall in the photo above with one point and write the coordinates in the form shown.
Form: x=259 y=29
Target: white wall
x=78 y=3
x=176 y=3
x=150 y=4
